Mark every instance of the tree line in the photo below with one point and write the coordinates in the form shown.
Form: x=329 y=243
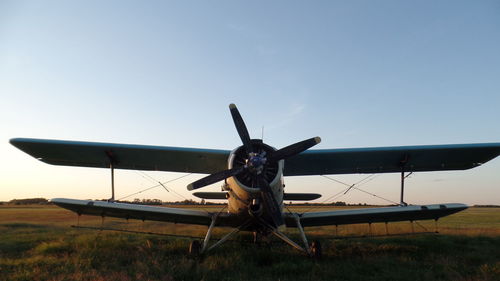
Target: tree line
x=43 y=201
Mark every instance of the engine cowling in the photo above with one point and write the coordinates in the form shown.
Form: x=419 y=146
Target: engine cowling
x=271 y=171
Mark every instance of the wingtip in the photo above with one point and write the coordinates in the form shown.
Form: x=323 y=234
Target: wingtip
x=232 y=106
x=317 y=139
x=13 y=141
x=190 y=187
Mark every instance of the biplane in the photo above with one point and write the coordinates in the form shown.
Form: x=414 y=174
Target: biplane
x=252 y=176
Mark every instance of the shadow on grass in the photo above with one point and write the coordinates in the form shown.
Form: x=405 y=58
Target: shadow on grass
x=37 y=252
x=25 y=225
x=19 y=238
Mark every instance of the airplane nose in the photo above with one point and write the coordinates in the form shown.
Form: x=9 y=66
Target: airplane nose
x=256 y=161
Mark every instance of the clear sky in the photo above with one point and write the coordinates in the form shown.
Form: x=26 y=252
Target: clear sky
x=356 y=73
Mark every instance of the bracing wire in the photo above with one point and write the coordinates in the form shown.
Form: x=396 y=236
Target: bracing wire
x=362 y=182
x=349 y=187
x=333 y=197
x=335 y=180
x=375 y=195
x=155 y=186
x=148 y=177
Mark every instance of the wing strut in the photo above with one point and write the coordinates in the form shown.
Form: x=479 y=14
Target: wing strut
x=403 y=164
x=112 y=199
x=403 y=177
x=112 y=161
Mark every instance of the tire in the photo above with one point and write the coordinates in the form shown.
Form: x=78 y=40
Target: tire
x=194 y=248
x=316 y=249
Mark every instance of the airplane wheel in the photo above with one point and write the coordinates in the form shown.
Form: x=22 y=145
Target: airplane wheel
x=194 y=248
x=316 y=249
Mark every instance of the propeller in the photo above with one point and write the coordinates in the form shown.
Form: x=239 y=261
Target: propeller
x=213 y=178
x=270 y=202
x=241 y=128
x=255 y=165
x=293 y=149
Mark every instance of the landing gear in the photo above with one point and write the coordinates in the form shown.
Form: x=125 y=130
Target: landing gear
x=315 y=249
x=194 y=248
x=256 y=238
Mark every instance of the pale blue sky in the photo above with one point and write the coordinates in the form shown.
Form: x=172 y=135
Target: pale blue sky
x=356 y=73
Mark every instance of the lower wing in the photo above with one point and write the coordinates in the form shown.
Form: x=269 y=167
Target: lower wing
x=178 y=215
x=133 y=211
x=373 y=215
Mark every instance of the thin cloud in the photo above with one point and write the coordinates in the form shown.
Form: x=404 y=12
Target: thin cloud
x=237 y=27
x=291 y=114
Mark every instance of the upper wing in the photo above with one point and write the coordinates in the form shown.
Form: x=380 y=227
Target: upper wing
x=373 y=215
x=311 y=162
x=390 y=159
x=125 y=156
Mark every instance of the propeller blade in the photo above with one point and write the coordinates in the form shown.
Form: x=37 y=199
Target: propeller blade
x=293 y=149
x=270 y=202
x=241 y=128
x=213 y=178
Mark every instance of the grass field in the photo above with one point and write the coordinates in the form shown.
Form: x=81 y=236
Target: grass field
x=37 y=243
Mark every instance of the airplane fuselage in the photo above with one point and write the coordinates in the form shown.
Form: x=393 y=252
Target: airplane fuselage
x=242 y=198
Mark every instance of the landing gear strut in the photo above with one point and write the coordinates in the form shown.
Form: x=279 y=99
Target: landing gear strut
x=313 y=250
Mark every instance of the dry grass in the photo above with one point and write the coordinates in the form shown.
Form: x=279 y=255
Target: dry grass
x=38 y=244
